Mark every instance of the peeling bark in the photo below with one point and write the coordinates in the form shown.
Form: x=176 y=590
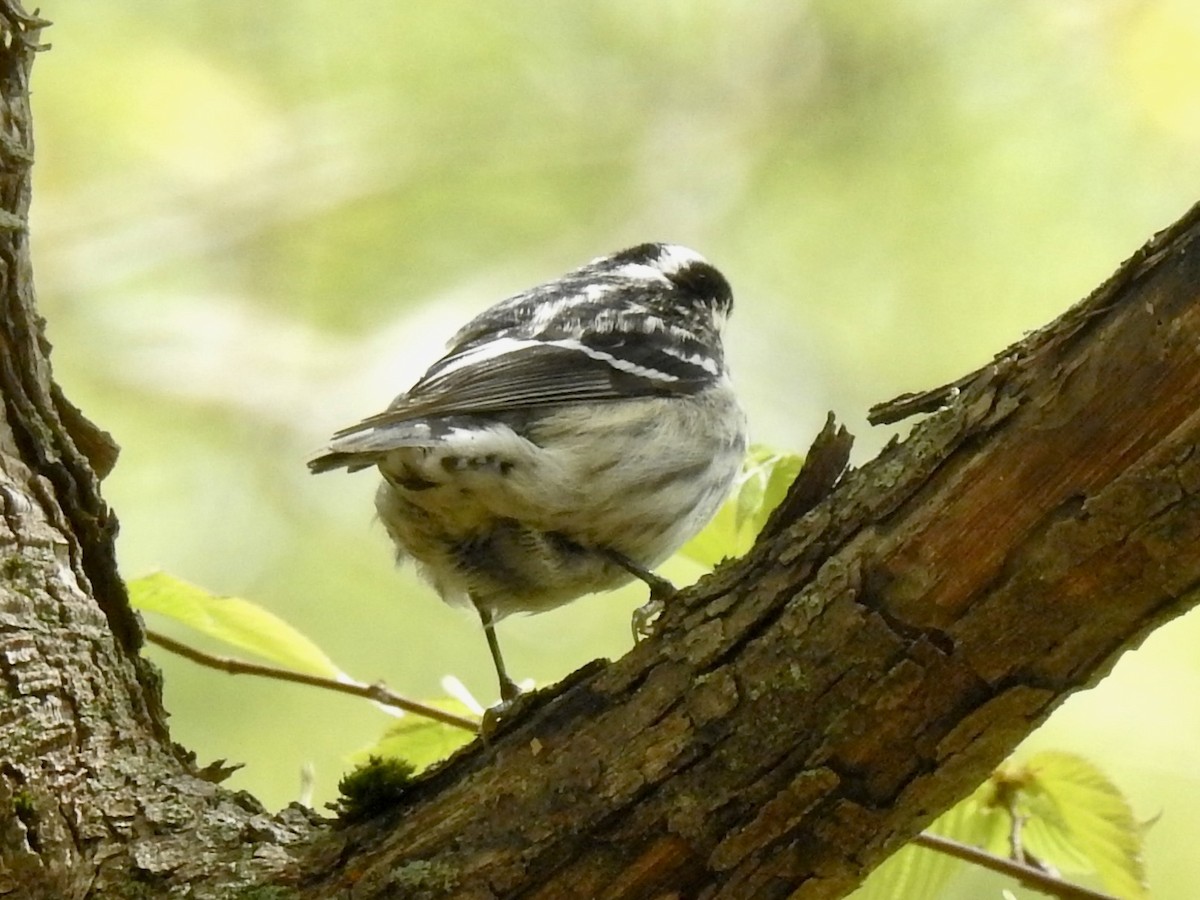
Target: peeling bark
x=894 y=633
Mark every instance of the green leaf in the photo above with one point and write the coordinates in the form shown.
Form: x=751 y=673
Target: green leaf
x=235 y=621
x=909 y=872
x=1078 y=820
x=761 y=485
x=1075 y=820
x=418 y=740
x=920 y=872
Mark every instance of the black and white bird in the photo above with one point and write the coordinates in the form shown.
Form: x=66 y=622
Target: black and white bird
x=573 y=437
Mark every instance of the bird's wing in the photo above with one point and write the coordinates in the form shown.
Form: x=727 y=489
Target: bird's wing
x=510 y=373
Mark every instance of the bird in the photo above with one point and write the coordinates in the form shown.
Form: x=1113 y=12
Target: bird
x=572 y=437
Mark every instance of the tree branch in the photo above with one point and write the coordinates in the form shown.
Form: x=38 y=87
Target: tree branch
x=377 y=692
x=811 y=707
x=1026 y=875
x=795 y=718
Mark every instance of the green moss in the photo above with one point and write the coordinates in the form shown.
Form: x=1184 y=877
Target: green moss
x=141 y=885
x=372 y=788
x=135 y=890
x=799 y=676
x=144 y=887
x=265 y=892
x=16 y=569
x=24 y=806
x=425 y=874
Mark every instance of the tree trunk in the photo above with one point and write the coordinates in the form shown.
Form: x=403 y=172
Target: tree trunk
x=95 y=800
x=797 y=717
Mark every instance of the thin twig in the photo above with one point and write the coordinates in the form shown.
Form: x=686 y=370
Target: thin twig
x=1016 y=848
x=1028 y=876
x=377 y=692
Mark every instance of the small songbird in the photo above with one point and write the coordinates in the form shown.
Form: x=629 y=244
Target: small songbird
x=573 y=437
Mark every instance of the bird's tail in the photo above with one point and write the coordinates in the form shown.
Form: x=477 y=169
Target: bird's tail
x=366 y=445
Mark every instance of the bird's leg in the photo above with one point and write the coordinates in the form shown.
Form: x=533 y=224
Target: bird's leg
x=661 y=591
x=508 y=688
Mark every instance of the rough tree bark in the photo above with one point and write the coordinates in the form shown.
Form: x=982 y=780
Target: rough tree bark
x=798 y=716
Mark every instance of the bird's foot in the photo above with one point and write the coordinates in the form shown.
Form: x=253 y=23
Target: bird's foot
x=645 y=617
x=494 y=716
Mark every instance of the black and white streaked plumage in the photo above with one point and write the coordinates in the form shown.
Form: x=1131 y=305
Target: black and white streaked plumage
x=573 y=437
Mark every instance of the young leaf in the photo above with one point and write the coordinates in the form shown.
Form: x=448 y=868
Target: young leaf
x=235 y=621
x=920 y=872
x=761 y=485
x=1073 y=819
x=1076 y=819
x=418 y=740
x=909 y=872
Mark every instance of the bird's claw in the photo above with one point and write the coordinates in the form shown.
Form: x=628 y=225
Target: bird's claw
x=645 y=617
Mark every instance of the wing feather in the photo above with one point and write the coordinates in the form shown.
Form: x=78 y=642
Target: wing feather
x=499 y=376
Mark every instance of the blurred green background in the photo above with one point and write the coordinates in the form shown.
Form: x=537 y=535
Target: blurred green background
x=257 y=222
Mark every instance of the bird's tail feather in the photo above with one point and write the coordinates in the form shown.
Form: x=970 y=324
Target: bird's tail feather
x=368 y=447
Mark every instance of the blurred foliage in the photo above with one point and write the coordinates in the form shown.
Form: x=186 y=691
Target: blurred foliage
x=231 y=620
x=1055 y=811
x=760 y=487
x=256 y=222
x=419 y=741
